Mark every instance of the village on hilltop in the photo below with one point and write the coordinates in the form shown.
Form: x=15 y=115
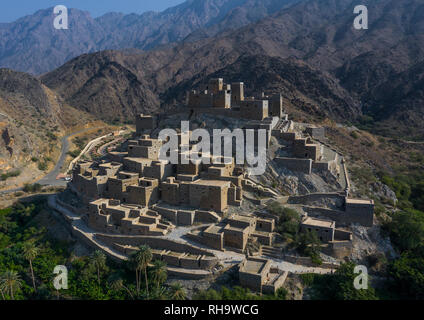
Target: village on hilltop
x=202 y=219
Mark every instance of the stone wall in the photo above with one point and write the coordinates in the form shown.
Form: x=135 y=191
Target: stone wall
x=317 y=133
x=154 y=243
x=363 y=213
x=295 y=165
x=206 y=217
x=144 y=122
x=340 y=217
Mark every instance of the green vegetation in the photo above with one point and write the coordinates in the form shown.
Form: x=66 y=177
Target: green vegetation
x=288 y=220
x=288 y=226
x=354 y=135
x=32 y=188
x=365 y=122
x=238 y=293
x=74 y=153
x=28 y=256
x=51 y=136
x=80 y=144
x=409 y=188
x=9 y=174
x=406 y=230
x=337 y=286
x=308 y=244
x=42 y=166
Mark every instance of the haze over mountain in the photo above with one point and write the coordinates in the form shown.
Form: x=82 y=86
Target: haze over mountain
x=309 y=52
x=31 y=44
x=352 y=66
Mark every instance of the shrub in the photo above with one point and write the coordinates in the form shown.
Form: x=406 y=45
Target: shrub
x=288 y=220
x=10 y=174
x=42 y=166
x=74 y=153
x=308 y=243
x=30 y=188
x=50 y=135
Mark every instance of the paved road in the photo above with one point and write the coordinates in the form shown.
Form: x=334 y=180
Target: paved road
x=50 y=178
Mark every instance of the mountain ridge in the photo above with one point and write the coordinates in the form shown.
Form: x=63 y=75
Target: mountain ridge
x=32 y=45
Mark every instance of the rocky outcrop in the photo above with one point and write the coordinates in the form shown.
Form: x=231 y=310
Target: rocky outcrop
x=7 y=141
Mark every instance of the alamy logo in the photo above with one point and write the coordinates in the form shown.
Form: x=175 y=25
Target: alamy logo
x=360 y=281
x=61 y=280
x=198 y=146
x=361 y=21
x=61 y=19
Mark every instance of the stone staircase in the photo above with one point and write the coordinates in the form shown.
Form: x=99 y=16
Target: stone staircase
x=283 y=125
x=272 y=252
x=260 y=188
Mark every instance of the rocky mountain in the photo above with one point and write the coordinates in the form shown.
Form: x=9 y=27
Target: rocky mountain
x=33 y=45
x=303 y=88
x=341 y=74
x=399 y=103
x=31 y=121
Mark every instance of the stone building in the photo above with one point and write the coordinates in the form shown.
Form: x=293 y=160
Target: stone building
x=229 y=100
x=135 y=198
x=209 y=194
x=337 y=242
x=360 y=211
x=323 y=228
x=145 y=147
x=258 y=275
x=235 y=232
x=111 y=216
x=145 y=122
x=304 y=148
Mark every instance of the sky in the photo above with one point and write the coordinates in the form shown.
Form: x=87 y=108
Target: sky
x=10 y=10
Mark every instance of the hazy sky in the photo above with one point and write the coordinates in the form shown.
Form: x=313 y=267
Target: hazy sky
x=11 y=10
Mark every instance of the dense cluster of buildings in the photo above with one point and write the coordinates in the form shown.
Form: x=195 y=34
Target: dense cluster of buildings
x=229 y=100
x=134 y=197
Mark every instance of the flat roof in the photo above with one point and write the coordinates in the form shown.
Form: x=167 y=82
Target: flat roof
x=239 y=229
x=254 y=266
x=128 y=173
x=318 y=222
x=100 y=201
x=238 y=217
x=214 y=229
x=139 y=160
x=216 y=183
x=359 y=201
x=110 y=164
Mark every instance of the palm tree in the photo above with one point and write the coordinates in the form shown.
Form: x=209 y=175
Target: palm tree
x=158 y=272
x=2 y=294
x=116 y=283
x=140 y=261
x=30 y=253
x=98 y=259
x=177 y=291
x=133 y=263
x=10 y=281
x=159 y=293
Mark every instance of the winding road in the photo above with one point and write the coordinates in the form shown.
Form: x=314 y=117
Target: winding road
x=50 y=178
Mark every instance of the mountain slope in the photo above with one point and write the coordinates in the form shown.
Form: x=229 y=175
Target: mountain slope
x=399 y=103
x=304 y=89
x=31 y=121
x=319 y=32
x=31 y=44
x=105 y=85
